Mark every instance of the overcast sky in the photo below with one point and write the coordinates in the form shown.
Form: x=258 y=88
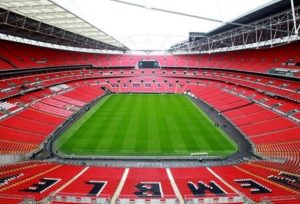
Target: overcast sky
x=145 y=29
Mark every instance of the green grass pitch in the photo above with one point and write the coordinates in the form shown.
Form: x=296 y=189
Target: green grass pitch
x=145 y=125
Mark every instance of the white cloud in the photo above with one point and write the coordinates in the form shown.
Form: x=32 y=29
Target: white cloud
x=145 y=29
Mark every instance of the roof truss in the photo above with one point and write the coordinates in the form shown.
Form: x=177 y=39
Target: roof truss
x=47 y=18
x=279 y=28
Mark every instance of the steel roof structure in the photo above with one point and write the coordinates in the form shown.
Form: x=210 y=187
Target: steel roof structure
x=36 y=19
x=44 y=21
x=276 y=23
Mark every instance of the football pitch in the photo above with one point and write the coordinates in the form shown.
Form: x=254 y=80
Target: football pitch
x=145 y=125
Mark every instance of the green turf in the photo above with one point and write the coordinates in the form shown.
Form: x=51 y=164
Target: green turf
x=145 y=124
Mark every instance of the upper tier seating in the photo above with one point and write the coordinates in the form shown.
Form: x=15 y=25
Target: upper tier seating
x=17 y=55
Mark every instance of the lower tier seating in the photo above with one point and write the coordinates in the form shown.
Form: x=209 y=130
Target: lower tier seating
x=272 y=134
x=65 y=183
x=25 y=130
x=147 y=183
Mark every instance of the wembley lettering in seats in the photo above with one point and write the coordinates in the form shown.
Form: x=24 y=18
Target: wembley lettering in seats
x=149 y=189
x=200 y=188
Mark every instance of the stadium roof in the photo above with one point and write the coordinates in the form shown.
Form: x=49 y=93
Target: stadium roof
x=47 y=12
x=120 y=25
x=259 y=13
x=157 y=24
